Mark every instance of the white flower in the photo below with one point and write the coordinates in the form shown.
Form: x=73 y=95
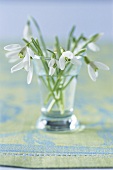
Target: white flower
x=26 y=64
x=93 y=69
x=53 y=63
x=68 y=56
x=13 y=52
x=92 y=46
x=27 y=33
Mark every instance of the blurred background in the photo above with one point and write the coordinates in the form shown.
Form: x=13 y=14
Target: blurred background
x=56 y=17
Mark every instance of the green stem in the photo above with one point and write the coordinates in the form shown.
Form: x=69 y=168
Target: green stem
x=41 y=77
x=70 y=37
x=47 y=99
x=78 y=40
x=58 y=46
x=61 y=101
x=51 y=105
x=52 y=91
x=40 y=34
x=36 y=45
x=40 y=54
x=68 y=82
x=28 y=44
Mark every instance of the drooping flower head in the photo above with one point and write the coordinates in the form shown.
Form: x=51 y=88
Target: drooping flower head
x=68 y=56
x=53 y=64
x=27 y=33
x=13 y=52
x=26 y=64
x=93 y=67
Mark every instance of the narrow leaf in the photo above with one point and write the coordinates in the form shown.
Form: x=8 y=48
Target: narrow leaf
x=40 y=34
x=95 y=37
x=54 y=56
x=37 y=47
x=58 y=46
x=70 y=37
x=80 y=51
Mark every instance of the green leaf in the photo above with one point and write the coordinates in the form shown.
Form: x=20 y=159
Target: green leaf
x=81 y=51
x=40 y=34
x=96 y=37
x=57 y=44
x=28 y=44
x=70 y=37
x=54 y=55
x=77 y=41
x=37 y=47
x=68 y=82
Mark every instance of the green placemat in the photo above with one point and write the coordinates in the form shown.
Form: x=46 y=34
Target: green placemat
x=21 y=144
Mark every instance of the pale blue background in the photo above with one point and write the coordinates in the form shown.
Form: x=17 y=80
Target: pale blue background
x=56 y=17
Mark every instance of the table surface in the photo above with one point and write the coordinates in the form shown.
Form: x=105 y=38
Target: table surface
x=22 y=145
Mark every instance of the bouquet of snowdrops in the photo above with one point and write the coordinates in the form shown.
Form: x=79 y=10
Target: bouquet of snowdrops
x=56 y=62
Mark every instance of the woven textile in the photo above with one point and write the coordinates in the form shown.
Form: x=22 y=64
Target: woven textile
x=21 y=144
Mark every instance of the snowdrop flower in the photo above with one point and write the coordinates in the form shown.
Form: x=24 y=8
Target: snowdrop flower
x=26 y=64
x=53 y=64
x=93 y=67
x=68 y=56
x=13 y=52
x=27 y=33
x=92 y=46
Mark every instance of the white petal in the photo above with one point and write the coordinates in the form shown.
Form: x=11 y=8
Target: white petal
x=36 y=57
x=101 y=66
x=30 y=74
x=17 y=67
x=78 y=57
x=62 y=62
x=27 y=33
x=30 y=52
x=51 y=71
x=26 y=60
x=76 y=61
x=93 y=75
x=96 y=74
x=12 y=47
x=51 y=62
x=68 y=54
x=92 y=46
x=12 y=60
x=26 y=66
x=12 y=54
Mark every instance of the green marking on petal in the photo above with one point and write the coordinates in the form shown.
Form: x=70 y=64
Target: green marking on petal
x=67 y=59
x=55 y=65
x=21 y=55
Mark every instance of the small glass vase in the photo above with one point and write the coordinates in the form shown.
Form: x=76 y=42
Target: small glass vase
x=57 y=96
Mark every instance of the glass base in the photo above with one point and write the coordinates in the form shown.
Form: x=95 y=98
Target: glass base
x=66 y=124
